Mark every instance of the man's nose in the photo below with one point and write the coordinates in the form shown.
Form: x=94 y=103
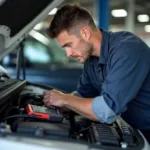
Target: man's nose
x=69 y=52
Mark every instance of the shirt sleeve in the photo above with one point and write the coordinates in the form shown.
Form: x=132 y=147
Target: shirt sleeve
x=76 y=93
x=85 y=87
x=124 y=80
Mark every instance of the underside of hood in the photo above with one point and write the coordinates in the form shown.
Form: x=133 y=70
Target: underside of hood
x=18 y=17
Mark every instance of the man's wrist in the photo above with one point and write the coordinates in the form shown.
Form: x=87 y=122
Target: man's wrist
x=66 y=100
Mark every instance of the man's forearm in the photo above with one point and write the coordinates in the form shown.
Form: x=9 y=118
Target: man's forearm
x=82 y=106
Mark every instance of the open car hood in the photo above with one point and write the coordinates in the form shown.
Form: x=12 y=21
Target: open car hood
x=24 y=122
x=18 y=17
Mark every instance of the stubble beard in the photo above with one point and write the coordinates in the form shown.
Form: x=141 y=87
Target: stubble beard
x=87 y=52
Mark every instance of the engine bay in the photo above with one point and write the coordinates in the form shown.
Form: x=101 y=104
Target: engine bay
x=16 y=120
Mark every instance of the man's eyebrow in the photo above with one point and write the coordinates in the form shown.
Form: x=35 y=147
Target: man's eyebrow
x=66 y=44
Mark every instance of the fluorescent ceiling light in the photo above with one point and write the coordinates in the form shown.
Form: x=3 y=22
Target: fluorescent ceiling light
x=143 y=18
x=119 y=13
x=39 y=37
x=147 y=28
x=38 y=26
x=53 y=11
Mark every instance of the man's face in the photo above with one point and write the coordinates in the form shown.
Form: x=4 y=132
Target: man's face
x=75 y=46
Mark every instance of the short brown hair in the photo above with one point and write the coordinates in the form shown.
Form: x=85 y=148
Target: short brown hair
x=69 y=16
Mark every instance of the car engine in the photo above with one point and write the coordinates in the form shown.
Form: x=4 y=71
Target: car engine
x=15 y=120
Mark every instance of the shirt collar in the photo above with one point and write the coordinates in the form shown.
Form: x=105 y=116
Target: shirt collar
x=103 y=50
x=104 y=47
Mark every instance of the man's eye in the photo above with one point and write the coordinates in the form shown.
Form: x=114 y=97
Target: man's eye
x=68 y=45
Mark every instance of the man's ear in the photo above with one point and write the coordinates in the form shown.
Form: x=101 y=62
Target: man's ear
x=85 y=33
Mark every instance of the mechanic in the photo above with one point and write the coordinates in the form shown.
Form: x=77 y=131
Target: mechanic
x=116 y=76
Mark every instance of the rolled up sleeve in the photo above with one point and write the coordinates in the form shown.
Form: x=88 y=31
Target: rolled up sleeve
x=102 y=111
x=76 y=93
x=122 y=84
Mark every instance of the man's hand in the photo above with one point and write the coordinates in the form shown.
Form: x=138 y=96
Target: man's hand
x=54 y=98
x=82 y=106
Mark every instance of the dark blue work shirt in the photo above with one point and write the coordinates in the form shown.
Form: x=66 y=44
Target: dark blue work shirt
x=119 y=80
